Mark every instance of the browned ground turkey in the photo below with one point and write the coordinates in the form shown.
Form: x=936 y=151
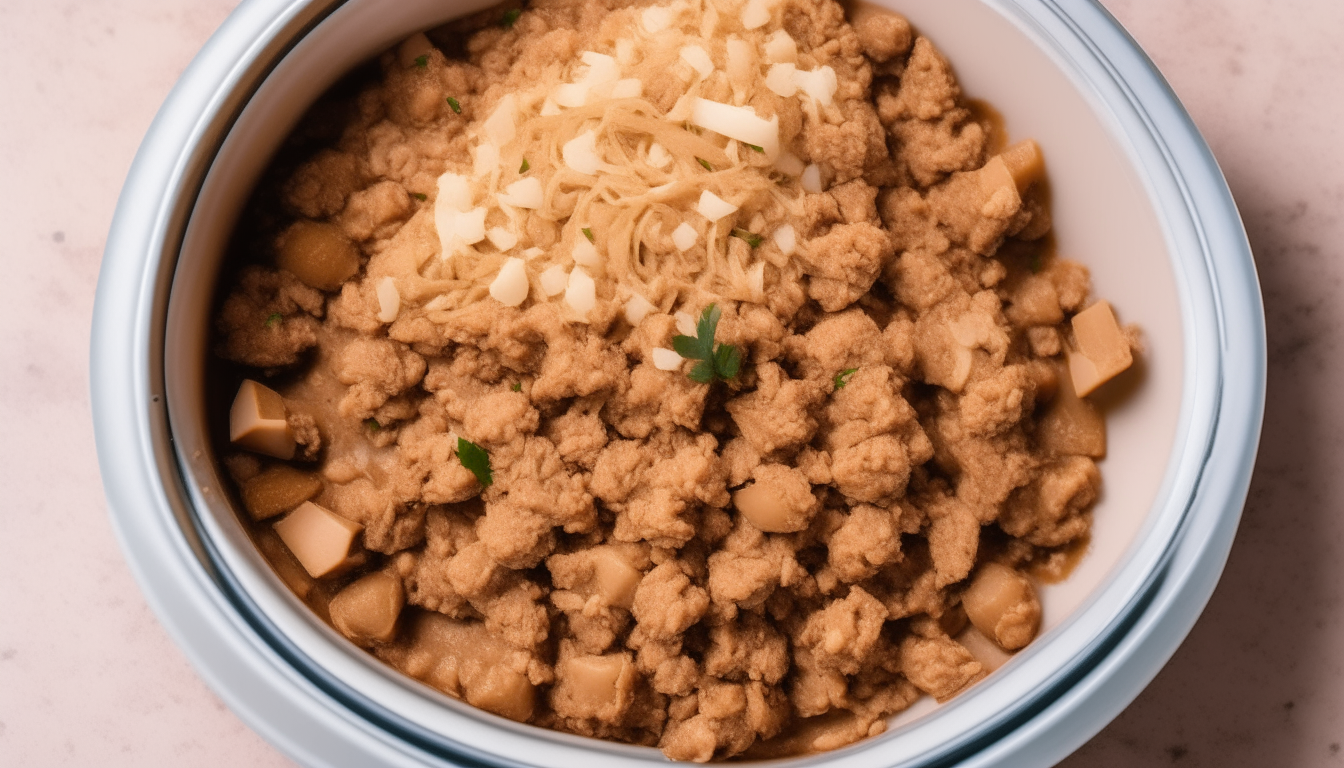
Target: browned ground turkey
x=900 y=402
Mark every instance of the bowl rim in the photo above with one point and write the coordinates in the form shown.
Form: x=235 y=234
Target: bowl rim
x=205 y=609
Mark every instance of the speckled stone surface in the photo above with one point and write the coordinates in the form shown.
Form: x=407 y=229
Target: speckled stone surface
x=88 y=677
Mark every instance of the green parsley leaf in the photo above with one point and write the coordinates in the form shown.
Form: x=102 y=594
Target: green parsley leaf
x=706 y=164
x=455 y=104
x=588 y=233
x=373 y=424
x=717 y=361
x=752 y=238
x=755 y=148
x=421 y=196
x=274 y=319
x=517 y=386
x=842 y=378
x=422 y=61
x=510 y=16
x=523 y=168
x=474 y=458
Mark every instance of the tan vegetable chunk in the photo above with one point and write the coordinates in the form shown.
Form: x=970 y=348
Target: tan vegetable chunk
x=367 y=610
x=780 y=501
x=317 y=253
x=318 y=537
x=1002 y=604
x=1025 y=162
x=1103 y=350
x=1072 y=426
x=594 y=686
x=279 y=489
x=615 y=579
x=257 y=421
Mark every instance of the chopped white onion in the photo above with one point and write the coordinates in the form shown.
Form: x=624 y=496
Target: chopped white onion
x=684 y=236
x=656 y=19
x=457 y=228
x=666 y=359
x=741 y=123
x=571 y=94
x=625 y=51
x=698 y=58
x=756 y=280
x=549 y=107
x=786 y=239
x=685 y=323
x=811 y=179
x=601 y=68
x=658 y=156
x=781 y=48
x=637 y=308
x=533 y=252
x=580 y=153
x=581 y=293
x=585 y=254
x=788 y=164
x=471 y=226
x=485 y=160
x=523 y=193
x=454 y=192
x=820 y=84
x=553 y=280
x=629 y=88
x=389 y=300
x=713 y=207
x=510 y=286
x=501 y=238
x=499 y=127
x=780 y=79
x=755 y=14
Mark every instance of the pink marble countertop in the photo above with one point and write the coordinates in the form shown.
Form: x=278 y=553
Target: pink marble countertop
x=88 y=677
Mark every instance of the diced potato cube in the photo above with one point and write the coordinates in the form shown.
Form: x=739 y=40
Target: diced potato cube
x=1072 y=426
x=614 y=578
x=257 y=421
x=593 y=686
x=319 y=538
x=367 y=610
x=1103 y=351
x=1025 y=162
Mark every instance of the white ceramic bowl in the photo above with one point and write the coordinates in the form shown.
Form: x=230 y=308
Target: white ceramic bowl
x=1137 y=197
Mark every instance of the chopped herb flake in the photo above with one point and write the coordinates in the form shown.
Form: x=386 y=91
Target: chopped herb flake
x=526 y=165
x=422 y=61
x=455 y=104
x=274 y=319
x=517 y=386
x=588 y=233
x=373 y=425
x=421 y=196
x=752 y=238
x=510 y=16
x=717 y=361
x=474 y=458
x=755 y=148
x=842 y=378
x=706 y=164
x=1036 y=263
